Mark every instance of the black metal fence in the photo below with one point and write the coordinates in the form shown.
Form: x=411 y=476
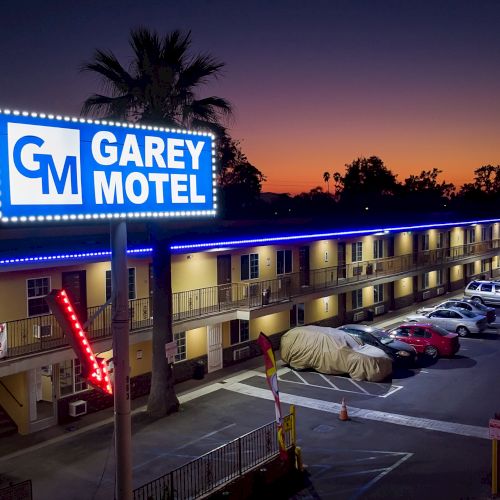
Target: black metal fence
x=220 y=466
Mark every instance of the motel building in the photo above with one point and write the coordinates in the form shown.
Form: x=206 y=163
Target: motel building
x=228 y=285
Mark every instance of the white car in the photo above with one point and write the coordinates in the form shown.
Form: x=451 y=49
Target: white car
x=454 y=319
x=465 y=303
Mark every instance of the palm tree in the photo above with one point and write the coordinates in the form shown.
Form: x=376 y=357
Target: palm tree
x=326 y=178
x=160 y=88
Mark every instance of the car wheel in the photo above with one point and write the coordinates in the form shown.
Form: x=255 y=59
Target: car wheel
x=479 y=299
x=431 y=351
x=462 y=331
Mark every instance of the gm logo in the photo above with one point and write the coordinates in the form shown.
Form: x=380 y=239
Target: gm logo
x=44 y=165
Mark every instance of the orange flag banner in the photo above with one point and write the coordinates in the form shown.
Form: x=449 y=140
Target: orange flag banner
x=272 y=380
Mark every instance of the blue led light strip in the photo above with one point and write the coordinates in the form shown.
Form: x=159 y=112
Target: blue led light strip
x=318 y=236
x=70 y=256
x=241 y=242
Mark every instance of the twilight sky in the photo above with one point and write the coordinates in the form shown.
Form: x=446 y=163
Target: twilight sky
x=315 y=83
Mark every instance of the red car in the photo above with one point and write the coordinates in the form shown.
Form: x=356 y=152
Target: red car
x=427 y=339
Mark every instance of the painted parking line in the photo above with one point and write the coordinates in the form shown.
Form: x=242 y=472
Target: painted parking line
x=359 y=493
x=378 y=416
x=335 y=383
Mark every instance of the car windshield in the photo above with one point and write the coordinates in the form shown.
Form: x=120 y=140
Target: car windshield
x=381 y=335
x=480 y=306
x=466 y=313
x=440 y=331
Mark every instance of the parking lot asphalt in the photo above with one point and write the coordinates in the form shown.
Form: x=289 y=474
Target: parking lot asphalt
x=422 y=434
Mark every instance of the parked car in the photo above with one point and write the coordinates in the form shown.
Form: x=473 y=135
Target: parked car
x=487 y=292
x=455 y=319
x=400 y=352
x=472 y=305
x=332 y=351
x=431 y=340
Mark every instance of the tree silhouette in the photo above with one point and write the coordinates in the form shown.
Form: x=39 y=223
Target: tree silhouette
x=159 y=88
x=326 y=178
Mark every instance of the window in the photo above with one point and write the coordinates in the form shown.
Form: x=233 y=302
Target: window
x=70 y=377
x=439 y=277
x=283 y=262
x=37 y=288
x=471 y=268
x=472 y=235
x=402 y=331
x=240 y=331
x=297 y=315
x=180 y=340
x=485 y=233
x=425 y=281
x=250 y=266
x=425 y=242
x=419 y=332
x=357 y=298
x=485 y=265
x=378 y=294
x=486 y=287
x=357 y=251
x=131 y=284
x=378 y=249
x=440 y=240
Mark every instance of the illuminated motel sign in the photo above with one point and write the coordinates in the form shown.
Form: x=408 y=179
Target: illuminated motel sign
x=55 y=168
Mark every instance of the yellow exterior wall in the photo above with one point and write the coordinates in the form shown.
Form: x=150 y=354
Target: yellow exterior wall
x=323 y=254
x=144 y=364
x=270 y=324
x=403 y=243
x=322 y=308
x=456 y=237
x=18 y=386
x=194 y=270
x=403 y=287
x=196 y=342
x=456 y=273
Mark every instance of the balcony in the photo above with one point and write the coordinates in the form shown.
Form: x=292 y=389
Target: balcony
x=39 y=334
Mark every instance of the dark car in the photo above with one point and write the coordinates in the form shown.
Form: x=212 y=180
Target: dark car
x=432 y=340
x=400 y=352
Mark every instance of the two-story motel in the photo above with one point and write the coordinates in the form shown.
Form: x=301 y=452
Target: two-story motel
x=227 y=287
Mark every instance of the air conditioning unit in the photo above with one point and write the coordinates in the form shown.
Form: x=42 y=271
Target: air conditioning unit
x=426 y=295
x=360 y=315
x=242 y=353
x=77 y=408
x=440 y=290
x=42 y=331
x=379 y=310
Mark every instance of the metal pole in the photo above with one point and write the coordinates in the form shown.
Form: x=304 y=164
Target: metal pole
x=494 y=466
x=120 y=332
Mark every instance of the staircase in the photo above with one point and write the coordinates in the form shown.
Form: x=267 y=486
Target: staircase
x=7 y=425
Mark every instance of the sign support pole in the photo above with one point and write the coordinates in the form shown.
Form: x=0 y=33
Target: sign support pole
x=120 y=333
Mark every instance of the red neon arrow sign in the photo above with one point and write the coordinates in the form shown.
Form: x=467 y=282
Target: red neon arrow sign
x=93 y=369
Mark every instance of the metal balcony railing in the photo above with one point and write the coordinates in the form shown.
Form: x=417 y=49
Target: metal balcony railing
x=42 y=333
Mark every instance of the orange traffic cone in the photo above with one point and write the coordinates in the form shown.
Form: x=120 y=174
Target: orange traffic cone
x=343 y=411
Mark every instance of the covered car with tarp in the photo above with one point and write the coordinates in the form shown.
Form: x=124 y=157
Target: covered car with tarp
x=332 y=351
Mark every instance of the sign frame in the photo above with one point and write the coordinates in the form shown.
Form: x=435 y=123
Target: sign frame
x=60 y=168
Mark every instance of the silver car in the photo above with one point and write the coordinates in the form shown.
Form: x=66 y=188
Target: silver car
x=487 y=292
x=466 y=303
x=454 y=319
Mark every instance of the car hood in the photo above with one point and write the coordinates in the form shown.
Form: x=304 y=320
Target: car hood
x=424 y=310
x=398 y=345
